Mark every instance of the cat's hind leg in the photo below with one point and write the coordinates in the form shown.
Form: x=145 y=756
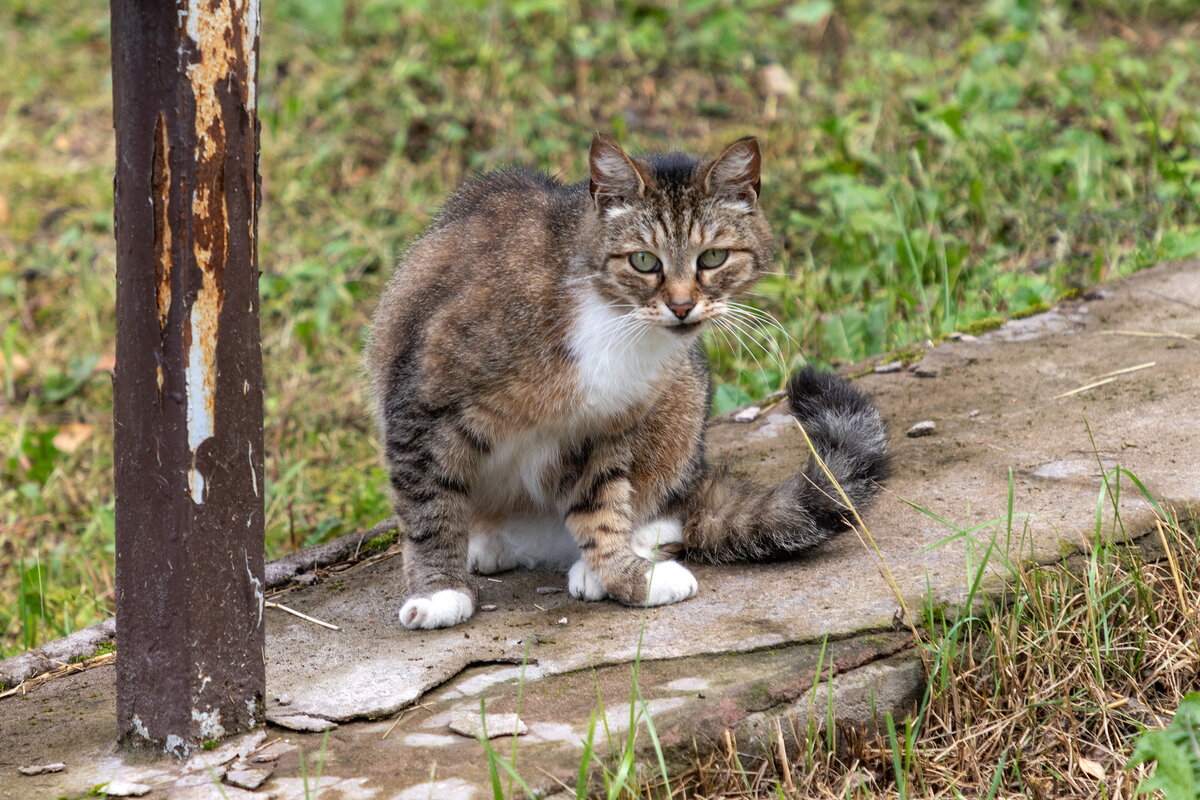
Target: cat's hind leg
x=530 y=540
x=488 y=551
x=658 y=539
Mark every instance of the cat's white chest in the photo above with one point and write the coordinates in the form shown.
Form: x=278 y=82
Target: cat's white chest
x=518 y=467
x=618 y=361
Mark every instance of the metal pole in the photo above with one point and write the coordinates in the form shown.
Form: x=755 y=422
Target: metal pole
x=188 y=384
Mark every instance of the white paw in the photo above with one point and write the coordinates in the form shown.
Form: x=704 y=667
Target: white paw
x=670 y=582
x=584 y=584
x=439 y=610
x=487 y=555
x=650 y=537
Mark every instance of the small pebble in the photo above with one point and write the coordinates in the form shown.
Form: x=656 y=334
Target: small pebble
x=469 y=723
x=488 y=607
x=923 y=428
x=562 y=621
x=42 y=769
x=747 y=414
x=192 y=779
x=890 y=366
x=549 y=589
x=974 y=412
x=299 y=722
x=119 y=788
x=249 y=778
x=272 y=752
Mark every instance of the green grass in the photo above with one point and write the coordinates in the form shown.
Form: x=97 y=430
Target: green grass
x=928 y=165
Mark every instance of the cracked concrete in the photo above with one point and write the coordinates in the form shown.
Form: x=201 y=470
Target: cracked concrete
x=750 y=646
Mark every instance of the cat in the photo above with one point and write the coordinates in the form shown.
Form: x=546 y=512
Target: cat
x=541 y=391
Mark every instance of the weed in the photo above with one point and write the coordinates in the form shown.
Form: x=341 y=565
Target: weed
x=984 y=325
x=1176 y=753
x=381 y=542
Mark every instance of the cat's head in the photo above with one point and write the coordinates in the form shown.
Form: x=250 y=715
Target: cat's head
x=681 y=236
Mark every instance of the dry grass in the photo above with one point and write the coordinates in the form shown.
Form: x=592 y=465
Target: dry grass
x=1041 y=694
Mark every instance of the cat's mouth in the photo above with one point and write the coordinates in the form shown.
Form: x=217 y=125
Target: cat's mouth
x=685 y=327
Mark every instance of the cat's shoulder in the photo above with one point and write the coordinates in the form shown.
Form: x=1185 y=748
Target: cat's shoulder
x=513 y=188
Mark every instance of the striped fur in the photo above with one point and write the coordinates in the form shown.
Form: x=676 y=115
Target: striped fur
x=524 y=371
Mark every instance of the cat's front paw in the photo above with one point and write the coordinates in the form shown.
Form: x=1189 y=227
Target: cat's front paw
x=585 y=584
x=669 y=582
x=440 y=610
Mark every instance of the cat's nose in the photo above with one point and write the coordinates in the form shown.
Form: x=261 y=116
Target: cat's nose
x=680 y=308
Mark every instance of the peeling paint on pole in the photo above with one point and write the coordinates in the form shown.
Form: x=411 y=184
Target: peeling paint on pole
x=188 y=383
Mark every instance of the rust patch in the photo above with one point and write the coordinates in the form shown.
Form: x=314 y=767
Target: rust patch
x=160 y=188
x=224 y=37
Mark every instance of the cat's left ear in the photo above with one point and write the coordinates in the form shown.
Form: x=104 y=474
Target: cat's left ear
x=736 y=171
x=614 y=178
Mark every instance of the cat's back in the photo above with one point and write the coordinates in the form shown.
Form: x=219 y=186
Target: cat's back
x=502 y=196
x=493 y=255
x=505 y=224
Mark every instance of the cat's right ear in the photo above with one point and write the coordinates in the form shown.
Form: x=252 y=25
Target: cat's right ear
x=615 y=179
x=737 y=171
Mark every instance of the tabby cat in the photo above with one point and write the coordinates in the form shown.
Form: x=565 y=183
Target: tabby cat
x=541 y=389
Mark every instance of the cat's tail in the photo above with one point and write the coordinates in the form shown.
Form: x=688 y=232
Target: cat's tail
x=732 y=520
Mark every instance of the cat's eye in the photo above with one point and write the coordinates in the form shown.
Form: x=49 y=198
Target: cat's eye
x=711 y=259
x=643 y=261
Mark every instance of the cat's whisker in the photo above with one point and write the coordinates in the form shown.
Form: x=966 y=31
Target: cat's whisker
x=579 y=279
x=759 y=319
x=723 y=331
x=772 y=343
x=740 y=334
x=774 y=353
x=765 y=316
x=724 y=323
x=637 y=329
x=620 y=332
x=716 y=326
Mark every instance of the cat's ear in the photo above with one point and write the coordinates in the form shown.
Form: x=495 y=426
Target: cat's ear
x=615 y=179
x=736 y=171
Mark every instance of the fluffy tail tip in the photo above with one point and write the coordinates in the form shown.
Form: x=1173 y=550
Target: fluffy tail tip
x=841 y=421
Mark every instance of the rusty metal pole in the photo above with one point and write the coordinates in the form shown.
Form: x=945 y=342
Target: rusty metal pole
x=188 y=384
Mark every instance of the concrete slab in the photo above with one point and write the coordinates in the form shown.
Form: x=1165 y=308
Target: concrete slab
x=749 y=646
x=997 y=406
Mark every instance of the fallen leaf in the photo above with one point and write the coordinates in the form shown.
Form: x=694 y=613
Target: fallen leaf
x=1092 y=768
x=15 y=365
x=72 y=435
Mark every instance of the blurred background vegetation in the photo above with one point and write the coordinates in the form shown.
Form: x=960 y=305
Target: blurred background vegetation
x=928 y=164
